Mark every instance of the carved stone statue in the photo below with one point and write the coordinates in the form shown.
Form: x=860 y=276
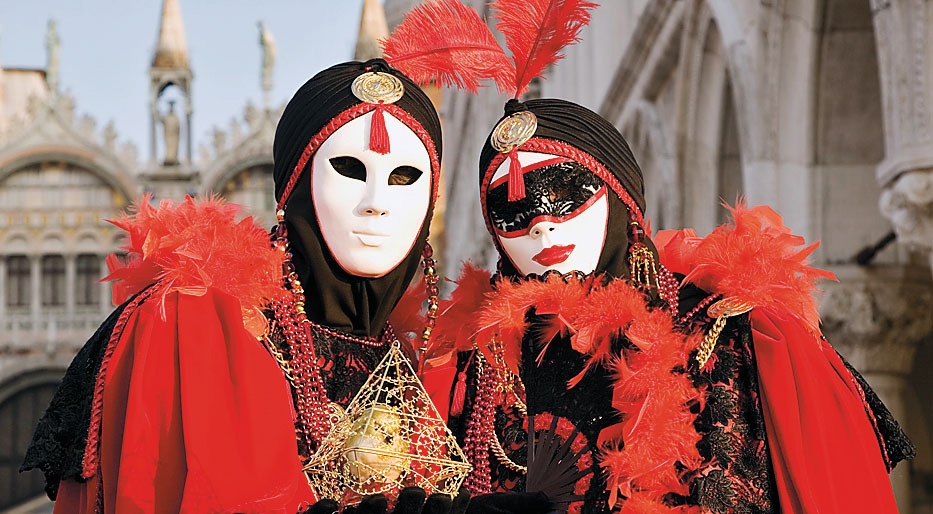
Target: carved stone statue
x=110 y=136
x=52 y=45
x=171 y=128
x=269 y=50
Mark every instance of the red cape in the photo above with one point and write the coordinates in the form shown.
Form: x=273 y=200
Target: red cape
x=196 y=418
x=190 y=412
x=823 y=444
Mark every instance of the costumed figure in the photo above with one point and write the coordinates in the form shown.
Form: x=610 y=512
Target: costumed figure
x=616 y=373
x=231 y=356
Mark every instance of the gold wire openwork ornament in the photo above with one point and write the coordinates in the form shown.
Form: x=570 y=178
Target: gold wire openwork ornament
x=377 y=88
x=390 y=437
x=514 y=131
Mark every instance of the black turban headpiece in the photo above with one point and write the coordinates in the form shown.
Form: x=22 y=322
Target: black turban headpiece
x=335 y=298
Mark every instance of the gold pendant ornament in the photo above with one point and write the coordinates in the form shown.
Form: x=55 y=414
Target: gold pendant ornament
x=642 y=267
x=514 y=131
x=377 y=88
x=721 y=311
x=390 y=437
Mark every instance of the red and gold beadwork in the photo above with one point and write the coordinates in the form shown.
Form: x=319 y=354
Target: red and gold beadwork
x=430 y=281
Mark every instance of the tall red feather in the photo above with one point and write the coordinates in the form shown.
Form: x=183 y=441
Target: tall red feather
x=537 y=30
x=448 y=43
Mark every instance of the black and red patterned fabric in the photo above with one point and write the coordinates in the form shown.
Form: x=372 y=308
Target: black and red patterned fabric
x=737 y=473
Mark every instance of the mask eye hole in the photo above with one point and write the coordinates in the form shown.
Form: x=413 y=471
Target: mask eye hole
x=349 y=167
x=404 y=176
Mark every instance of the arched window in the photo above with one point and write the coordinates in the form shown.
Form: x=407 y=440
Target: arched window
x=17 y=282
x=87 y=290
x=19 y=414
x=254 y=189
x=53 y=280
x=731 y=184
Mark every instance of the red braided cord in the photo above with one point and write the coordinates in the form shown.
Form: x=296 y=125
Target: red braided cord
x=92 y=446
x=550 y=146
x=349 y=115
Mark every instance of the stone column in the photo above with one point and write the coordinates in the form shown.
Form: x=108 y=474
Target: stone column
x=188 y=111
x=904 y=36
x=105 y=304
x=876 y=317
x=2 y=287
x=35 y=300
x=70 y=283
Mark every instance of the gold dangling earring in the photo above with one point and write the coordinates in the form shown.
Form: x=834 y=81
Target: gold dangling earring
x=643 y=270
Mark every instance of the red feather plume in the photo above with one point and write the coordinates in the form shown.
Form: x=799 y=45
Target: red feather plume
x=448 y=43
x=456 y=320
x=537 y=30
x=194 y=245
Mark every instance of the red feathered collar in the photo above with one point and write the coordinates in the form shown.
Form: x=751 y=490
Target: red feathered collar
x=195 y=245
x=652 y=401
x=755 y=259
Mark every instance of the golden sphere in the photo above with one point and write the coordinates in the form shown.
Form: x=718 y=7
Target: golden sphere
x=376 y=450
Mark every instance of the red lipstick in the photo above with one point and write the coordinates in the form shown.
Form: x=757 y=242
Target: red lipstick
x=553 y=255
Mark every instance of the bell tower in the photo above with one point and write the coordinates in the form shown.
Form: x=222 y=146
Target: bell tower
x=170 y=93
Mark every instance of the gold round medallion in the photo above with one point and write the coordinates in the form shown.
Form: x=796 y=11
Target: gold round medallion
x=377 y=88
x=514 y=131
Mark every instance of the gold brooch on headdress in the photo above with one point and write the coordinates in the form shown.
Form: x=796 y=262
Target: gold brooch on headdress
x=514 y=131
x=377 y=88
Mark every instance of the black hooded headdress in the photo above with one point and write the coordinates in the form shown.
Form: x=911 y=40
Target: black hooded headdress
x=335 y=298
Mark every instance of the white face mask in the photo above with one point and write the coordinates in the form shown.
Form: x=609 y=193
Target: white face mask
x=572 y=241
x=370 y=207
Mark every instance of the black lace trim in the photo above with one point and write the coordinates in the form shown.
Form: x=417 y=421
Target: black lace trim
x=58 y=444
x=737 y=476
x=896 y=444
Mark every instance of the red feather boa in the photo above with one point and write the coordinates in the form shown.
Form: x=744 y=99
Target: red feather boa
x=653 y=402
x=755 y=259
x=195 y=245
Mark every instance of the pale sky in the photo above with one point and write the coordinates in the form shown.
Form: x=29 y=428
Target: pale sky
x=107 y=46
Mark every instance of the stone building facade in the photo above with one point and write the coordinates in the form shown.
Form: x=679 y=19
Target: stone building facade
x=819 y=108
x=61 y=179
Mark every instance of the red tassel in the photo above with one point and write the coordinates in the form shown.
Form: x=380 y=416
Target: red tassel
x=456 y=406
x=516 y=177
x=378 y=135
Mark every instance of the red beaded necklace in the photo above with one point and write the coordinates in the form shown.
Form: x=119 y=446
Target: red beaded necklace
x=301 y=367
